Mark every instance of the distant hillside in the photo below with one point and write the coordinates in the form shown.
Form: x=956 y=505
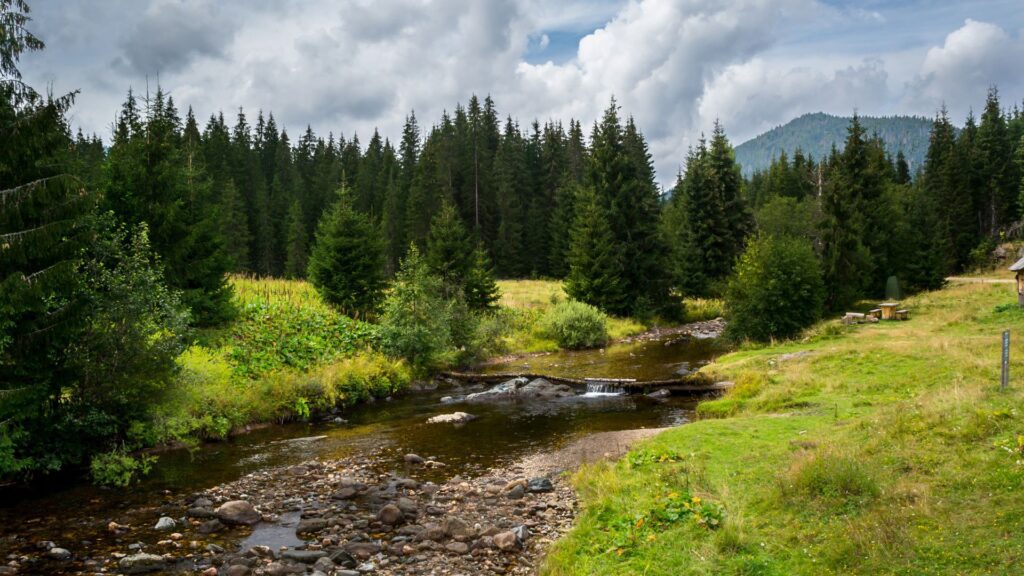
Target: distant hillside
x=815 y=133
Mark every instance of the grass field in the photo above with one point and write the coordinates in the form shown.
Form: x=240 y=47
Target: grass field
x=874 y=449
x=532 y=298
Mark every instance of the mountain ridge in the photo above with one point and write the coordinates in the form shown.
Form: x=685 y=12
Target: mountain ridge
x=815 y=132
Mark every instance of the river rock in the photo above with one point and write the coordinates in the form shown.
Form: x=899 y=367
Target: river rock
x=237 y=570
x=390 y=515
x=660 y=394
x=345 y=493
x=238 y=512
x=62 y=554
x=505 y=390
x=141 y=563
x=506 y=541
x=457 y=547
x=324 y=564
x=197 y=512
x=303 y=556
x=539 y=484
x=453 y=418
x=406 y=505
x=282 y=569
x=210 y=526
x=414 y=459
x=361 y=550
x=543 y=389
x=516 y=493
x=310 y=525
x=457 y=528
x=433 y=532
x=165 y=523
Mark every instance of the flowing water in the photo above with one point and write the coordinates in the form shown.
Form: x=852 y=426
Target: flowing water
x=503 y=433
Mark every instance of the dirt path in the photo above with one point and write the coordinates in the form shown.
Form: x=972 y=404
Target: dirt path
x=972 y=280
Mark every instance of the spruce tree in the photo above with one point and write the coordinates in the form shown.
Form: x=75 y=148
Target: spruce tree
x=481 y=290
x=297 y=257
x=697 y=230
x=622 y=177
x=449 y=252
x=347 y=261
x=727 y=183
x=155 y=176
x=846 y=262
x=595 y=259
x=999 y=186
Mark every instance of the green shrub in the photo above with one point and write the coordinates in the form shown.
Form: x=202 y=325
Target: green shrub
x=777 y=290
x=576 y=325
x=119 y=469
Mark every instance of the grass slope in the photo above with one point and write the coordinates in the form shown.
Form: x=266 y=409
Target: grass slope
x=877 y=449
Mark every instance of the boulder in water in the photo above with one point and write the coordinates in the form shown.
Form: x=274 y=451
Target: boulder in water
x=141 y=563
x=238 y=512
x=453 y=418
x=660 y=394
x=505 y=390
x=541 y=388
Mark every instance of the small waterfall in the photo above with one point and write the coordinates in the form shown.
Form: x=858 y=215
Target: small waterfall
x=597 y=389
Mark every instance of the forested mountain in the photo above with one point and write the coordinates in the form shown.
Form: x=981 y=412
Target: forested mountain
x=814 y=134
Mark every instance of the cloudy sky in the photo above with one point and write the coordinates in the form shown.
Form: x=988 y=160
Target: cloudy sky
x=348 y=66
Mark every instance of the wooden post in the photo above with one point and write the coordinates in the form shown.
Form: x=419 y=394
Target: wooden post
x=1005 y=381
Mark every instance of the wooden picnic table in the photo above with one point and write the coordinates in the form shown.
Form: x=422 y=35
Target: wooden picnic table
x=889 y=310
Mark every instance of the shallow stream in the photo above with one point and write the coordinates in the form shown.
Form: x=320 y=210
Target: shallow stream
x=502 y=433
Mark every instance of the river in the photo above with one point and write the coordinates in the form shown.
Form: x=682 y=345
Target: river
x=74 y=515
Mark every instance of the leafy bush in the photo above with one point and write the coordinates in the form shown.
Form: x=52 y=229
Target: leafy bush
x=777 y=290
x=576 y=325
x=118 y=469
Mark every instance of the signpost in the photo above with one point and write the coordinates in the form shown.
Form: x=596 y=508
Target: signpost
x=1006 y=361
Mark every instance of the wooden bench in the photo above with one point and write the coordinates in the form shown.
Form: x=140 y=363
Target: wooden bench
x=903 y=314
x=853 y=318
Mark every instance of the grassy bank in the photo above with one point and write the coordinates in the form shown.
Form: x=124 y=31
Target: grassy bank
x=286 y=356
x=526 y=301
x=876 y=449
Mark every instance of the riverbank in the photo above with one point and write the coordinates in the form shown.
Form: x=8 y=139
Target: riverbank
x=875 y=449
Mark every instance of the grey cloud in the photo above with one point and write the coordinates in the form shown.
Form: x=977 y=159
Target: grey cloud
x=173 y=33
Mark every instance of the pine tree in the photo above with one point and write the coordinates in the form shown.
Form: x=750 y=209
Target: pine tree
x=508 y=166
x=622 y=177
x=846 y=262
x=297 y=257
x=235 y=224
x=999 y=187
x=155 y=176
x=902 y=169
x=70 y=383
x=347 y=262
x=946 y=166
x=449 y=252
x=727 y=183
x=481 y=290
x=595 y=260
x=696 y=229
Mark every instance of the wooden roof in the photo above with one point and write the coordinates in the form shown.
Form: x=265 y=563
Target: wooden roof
x=1018 y=266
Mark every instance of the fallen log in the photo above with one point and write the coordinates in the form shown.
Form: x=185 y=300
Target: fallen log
x=695 y=384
